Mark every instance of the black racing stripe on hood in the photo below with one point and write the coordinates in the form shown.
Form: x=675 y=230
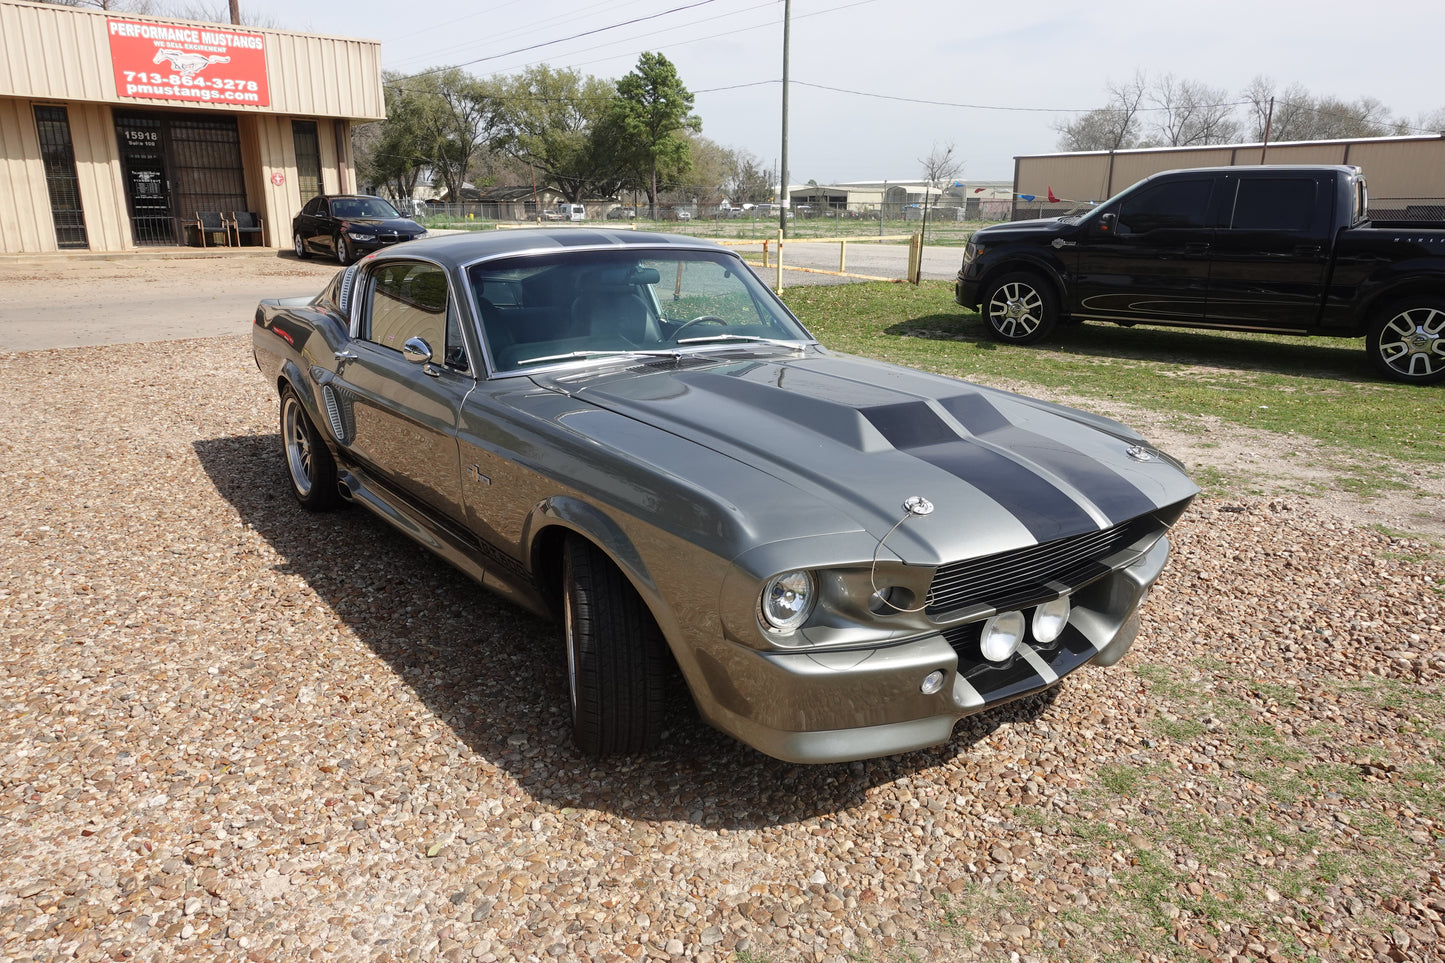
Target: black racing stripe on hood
x=1042 y=508
x=1114 y=495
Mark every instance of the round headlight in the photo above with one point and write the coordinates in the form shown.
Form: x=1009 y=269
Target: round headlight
x=1002 y=635
x=788 y=600
x=1050 y=619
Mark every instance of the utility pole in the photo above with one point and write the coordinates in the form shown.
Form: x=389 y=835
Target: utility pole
x=1268 y=123
x=236 y=12
x=783 y=206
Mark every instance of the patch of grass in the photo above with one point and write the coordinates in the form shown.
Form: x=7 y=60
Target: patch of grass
x=1120 y=780
x=1161 y=680
x=1319 y=388
x=1179 y=730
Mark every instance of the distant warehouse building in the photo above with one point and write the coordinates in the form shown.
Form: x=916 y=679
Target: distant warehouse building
x=118 y=131
x=1406 y=175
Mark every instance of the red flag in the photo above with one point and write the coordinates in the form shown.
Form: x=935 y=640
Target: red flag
x=978 y=190
x=1052 y=198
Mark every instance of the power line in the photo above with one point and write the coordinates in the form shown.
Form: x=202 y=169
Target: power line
x=578 y=36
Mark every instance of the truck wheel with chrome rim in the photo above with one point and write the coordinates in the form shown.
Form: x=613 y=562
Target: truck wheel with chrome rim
x=1020 y=308
x=1407 y=341
x=309 y=464
x=616 y=658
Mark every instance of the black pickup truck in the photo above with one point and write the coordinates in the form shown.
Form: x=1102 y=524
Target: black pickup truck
x=1289 y=250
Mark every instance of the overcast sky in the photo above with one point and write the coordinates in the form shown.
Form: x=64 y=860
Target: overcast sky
x=997 y=78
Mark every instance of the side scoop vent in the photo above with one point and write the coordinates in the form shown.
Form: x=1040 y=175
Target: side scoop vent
x=333 y=414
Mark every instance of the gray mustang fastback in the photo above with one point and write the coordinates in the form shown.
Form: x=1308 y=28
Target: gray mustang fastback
x=838 y=558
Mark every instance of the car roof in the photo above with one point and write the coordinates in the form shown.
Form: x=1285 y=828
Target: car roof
x=457 y=250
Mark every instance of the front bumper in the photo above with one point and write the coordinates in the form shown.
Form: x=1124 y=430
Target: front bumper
x=836 y=706
x=966 y=291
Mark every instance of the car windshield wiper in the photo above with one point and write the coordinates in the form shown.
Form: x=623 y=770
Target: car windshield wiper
x=751 y=338
x=574 y=355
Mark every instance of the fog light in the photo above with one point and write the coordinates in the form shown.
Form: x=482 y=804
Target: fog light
x=1050 y=619
x=1002 y=635
x=932 y=682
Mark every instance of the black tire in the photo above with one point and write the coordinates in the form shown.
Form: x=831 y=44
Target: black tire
x=301 y=250
x=344 y=254
x=616 y=658
x=1406 y=342
x=1020 y=308
x=309 y=464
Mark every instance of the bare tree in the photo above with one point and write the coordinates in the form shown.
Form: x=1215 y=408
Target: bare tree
x=1191 y=113
x=1295 y=114
x=1114 y=127
x=939 y=168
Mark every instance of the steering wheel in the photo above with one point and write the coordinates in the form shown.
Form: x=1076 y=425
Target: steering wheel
x=702 y=319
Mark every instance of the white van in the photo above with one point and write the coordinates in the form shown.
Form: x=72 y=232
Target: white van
x=572 y=212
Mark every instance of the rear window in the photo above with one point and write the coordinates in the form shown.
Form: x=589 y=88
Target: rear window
x=1275 y=204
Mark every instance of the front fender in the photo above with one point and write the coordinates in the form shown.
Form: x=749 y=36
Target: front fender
x=1010 y=260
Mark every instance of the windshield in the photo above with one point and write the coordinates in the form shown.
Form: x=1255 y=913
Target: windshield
x=577 y=305
x=362 y=207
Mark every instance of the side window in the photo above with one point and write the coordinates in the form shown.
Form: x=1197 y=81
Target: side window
x=1172 y=204
x=409 y=299
x=1275 y=204
x=313 y=206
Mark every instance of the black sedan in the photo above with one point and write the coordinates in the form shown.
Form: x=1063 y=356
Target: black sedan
x=347 y=226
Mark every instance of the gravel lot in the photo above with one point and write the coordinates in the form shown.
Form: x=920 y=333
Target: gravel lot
x=236 y=731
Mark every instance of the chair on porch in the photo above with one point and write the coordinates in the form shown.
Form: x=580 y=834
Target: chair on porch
x=209 y=223
x=247 y=223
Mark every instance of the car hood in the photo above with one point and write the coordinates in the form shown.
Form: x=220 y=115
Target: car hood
x=1042 y=227
x=400 y=225
x=862 y=437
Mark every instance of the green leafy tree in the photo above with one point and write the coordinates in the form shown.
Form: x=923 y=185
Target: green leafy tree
x=452 y=114
x=395 y=153
x=553 y=120
x=649 y=121
x=748 y=182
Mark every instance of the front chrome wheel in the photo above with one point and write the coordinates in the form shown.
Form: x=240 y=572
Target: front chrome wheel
x=1019 y=309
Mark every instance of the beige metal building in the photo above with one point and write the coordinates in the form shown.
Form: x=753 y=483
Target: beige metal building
x=116 y=131
x=1402 y=172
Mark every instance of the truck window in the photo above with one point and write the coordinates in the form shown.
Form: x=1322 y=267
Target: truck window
x=1173 y=204
x=1275 y=204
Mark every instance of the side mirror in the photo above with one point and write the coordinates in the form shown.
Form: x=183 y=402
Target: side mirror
x=416 y=350
x=1107 y=222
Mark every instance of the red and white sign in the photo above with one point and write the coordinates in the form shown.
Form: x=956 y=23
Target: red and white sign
x=278 y=178
x=189 y=63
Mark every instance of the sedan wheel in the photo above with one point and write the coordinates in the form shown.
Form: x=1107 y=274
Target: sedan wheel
x=1407 y=341
x=344 y=253
x=308 y=461
x=616 y=659
x=1020 y=309
x=300 y=243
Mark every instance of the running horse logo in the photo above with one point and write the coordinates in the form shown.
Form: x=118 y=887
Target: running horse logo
x=189 y=64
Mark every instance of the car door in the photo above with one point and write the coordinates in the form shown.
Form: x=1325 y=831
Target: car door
x=403 y=411
x=310 y=224
x=1271 y=254
x=1145 y=256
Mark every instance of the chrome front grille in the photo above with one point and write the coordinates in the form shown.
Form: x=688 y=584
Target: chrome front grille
x=1027 y=575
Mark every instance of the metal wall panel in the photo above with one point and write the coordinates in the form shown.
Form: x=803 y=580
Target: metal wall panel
x=25 y=223
x=1404 y=167
x=307 y=74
